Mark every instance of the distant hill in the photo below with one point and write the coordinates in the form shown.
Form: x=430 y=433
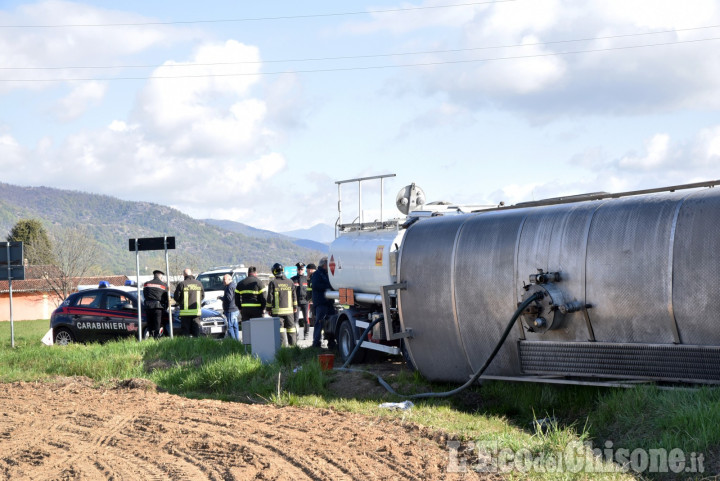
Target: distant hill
x=311 y=244
x=319 y=233
x=111 y=222
x=245 y=229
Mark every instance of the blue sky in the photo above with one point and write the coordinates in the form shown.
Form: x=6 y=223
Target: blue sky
x=506 y=101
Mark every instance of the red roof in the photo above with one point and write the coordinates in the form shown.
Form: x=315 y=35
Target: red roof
x=42 y=285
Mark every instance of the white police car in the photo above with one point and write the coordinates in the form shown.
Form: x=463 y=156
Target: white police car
x=213 y=285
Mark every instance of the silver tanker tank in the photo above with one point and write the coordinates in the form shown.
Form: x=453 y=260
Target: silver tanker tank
x=630 y=289
x=364 y=260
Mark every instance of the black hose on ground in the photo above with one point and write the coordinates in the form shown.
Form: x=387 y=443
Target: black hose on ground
x=474 y=377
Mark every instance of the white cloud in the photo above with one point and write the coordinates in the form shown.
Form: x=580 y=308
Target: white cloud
x=662 y=161
x=203 y=143
x=11 y=153
x=655 y=156
x=663 y=157
x=442 y=115
x=208 y=114
x=118 y=126
x=543 y=84
x=408 y=21
x=707 y=147
x=657 y=14
x=40 y=48
x=83 y=96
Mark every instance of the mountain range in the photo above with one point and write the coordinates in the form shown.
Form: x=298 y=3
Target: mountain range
x=319 y=232
x=111 y=222
x=307 y=238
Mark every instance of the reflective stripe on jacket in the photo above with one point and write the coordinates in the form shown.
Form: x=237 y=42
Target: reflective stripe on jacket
x=281 y=296
x=189 y=295
x=250 y=292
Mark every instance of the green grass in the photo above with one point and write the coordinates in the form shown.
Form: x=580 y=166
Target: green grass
x=498 y=412
x=27 y=333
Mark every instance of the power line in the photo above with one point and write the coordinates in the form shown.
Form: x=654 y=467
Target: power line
x=376 y=67
x=256 y=19
x=355 y=57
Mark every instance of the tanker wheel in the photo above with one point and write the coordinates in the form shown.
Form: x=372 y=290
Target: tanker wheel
x=346 y=343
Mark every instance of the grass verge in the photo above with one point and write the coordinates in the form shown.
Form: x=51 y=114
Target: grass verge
x=501 y=414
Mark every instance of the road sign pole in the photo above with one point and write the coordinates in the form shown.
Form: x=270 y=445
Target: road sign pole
x=12 y=323
x=167 y=273
x=151 y=244
x=139 y=301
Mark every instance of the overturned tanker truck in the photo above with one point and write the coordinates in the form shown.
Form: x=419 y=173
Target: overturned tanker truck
x=583 y=289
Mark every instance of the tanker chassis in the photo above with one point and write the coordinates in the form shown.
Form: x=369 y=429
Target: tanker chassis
x=612 y=286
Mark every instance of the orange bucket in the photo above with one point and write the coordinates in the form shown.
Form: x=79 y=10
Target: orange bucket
x=327 y=361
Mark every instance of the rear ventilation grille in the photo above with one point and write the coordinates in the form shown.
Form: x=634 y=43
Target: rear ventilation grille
x=613 y=360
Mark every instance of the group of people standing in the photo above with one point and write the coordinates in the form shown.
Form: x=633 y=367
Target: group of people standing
x=298 y=302
x=188 y=295
x=288 y=299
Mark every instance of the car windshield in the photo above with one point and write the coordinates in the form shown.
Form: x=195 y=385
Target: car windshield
x=212 y=282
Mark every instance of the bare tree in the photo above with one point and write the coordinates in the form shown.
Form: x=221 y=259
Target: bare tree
x=76 y=256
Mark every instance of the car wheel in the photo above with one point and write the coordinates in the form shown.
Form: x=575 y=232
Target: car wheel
x=346 y=343
x=63 y=337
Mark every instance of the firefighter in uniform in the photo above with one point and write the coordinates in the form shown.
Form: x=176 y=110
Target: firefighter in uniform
x=282 y=303
x=189 y=295
x=250 y=296
x=300 y=281
x=155 y=292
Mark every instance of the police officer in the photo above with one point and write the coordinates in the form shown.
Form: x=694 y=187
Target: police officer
x=282 y=303
x=189 y=295
x=301 y=287
x=155 y=292
x=250 y=296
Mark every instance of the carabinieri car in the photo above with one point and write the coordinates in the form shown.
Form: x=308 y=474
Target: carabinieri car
x=103 y=314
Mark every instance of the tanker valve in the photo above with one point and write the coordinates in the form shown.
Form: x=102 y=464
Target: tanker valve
x=540 y=323
x=548 y=310
x=573 y=307
x=544 y=277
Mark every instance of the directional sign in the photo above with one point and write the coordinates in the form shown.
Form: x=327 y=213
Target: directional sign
x=152 y=243
x=17 y=273
x=16 y=253
x=15 y=259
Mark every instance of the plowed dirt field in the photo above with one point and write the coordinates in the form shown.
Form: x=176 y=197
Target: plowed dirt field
x=71 y=430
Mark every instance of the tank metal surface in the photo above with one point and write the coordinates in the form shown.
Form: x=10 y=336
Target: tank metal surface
x=629 y=289
x=365 y=260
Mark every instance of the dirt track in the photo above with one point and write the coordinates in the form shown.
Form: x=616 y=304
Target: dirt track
x=70 y=430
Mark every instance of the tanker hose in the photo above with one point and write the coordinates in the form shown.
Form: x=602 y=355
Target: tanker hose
x=357 y=346
x=477 y=374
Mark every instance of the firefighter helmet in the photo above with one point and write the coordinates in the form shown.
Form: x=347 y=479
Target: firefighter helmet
x=277 y=269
